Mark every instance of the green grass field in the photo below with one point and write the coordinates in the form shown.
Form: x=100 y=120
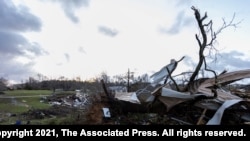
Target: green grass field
x=18 y=101
x=13 y=104
x=27 y=92
x=22 y=100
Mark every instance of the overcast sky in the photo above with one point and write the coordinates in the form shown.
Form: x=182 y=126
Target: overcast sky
x=83 y=38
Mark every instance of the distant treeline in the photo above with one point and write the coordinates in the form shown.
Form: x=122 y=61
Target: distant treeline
x=66 y=85
x=71 y=85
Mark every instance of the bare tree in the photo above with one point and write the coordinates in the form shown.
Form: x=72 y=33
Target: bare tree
x=206 y=40
x=3 y=84
x=104 y=76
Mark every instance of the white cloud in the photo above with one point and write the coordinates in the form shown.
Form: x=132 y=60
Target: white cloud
x=73 y=35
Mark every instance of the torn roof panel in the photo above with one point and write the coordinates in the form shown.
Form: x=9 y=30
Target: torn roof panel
x=227 y=77
x=130 y=97
x=221 y=95
x=159 y=76
x=216 y=119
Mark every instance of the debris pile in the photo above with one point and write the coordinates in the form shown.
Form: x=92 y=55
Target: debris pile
x=79 y=100
x=71 y=108
x=205 y=101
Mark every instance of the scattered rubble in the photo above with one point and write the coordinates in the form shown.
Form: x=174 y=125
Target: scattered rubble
x=205 y=102
x=163 y=104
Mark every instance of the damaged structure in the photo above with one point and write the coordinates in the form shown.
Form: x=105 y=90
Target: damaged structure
x=211 y=97
x=200 y=100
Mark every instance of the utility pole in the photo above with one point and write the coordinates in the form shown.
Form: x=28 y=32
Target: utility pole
x=128 y=81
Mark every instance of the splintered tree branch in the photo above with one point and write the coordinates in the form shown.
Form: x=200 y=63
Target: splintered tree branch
x=169 y=75
x=177 y=88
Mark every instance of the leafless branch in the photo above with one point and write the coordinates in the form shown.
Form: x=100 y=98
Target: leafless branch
x=205 y=44
x=177 y=88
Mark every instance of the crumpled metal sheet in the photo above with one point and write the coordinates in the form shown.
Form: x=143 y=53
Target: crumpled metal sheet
x=221 y=94
x=170 y=97
x=216 y=119
x=130 y=97
x=166 y=92
x=227 y=78
x=158 y=77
